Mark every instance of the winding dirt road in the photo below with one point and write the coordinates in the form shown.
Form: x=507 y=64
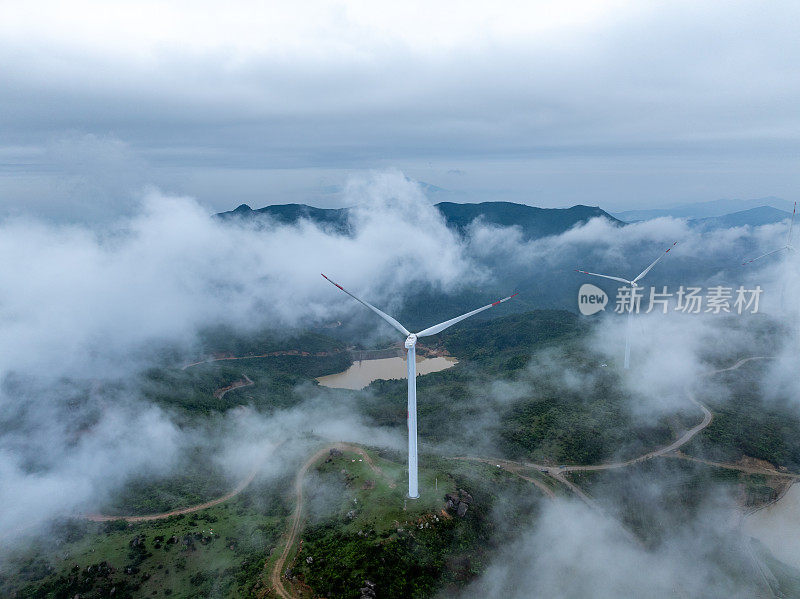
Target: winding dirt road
x=243 y=484
x=281 y=586
x=186 y=510
x=662 y=451
x=276 y=578
x=671 y=450
x=678 y=443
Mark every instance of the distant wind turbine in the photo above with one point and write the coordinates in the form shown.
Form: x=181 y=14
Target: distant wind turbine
x=634 y=284
x=788 y=247
x=411 y=343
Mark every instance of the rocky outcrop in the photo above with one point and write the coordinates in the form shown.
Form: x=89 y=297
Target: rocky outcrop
x=459 y=502
x=368 y=590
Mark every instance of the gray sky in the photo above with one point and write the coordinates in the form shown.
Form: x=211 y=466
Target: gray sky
x=617 y=103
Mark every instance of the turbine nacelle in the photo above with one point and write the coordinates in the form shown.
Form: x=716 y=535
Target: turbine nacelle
x=411 y=341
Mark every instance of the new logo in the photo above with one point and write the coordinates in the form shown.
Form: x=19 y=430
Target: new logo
x=591 y=299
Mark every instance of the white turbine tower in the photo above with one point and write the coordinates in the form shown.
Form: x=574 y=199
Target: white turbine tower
x=411 y=343
x=788 y=247
x=634 y=283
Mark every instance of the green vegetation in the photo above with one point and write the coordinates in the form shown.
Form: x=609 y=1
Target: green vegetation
x=222 y=340
x=197 y=480
x=513 y=337
x=658 y=497
x=747 y=423
x=538 y=415
x=218 y=552
x=506 y=397
x=370 y=532
x=275 y=382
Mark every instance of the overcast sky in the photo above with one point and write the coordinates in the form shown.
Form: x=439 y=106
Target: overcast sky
x=614 y=103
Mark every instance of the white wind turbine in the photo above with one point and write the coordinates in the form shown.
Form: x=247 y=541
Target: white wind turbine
x=634 y=284
x=788 y=247
x=789 y=250
x=411 y=342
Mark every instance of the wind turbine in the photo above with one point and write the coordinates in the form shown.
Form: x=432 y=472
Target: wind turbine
x=410 y=344
x=634 y=284
x=788 y=247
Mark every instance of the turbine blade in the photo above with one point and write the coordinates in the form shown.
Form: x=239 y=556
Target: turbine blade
x=594 y=274
x=765 y=255
x=791 y=225
x=437 y=328
x=649 y=268
x=383 y=315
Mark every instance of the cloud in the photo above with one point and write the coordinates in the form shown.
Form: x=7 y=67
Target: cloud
x=574 y=551
x=613 y=102
x=87 y=298
x=87 y=309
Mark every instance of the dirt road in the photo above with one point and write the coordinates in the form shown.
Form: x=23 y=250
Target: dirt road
x=514 y=468
x=280 y=585
x=186 y=510
x=244 y=382
x=674 y=446
x=680 y=442
x=740 y=467
x=243 y=484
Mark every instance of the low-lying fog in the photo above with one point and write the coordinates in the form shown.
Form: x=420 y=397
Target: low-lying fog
x=85 y=309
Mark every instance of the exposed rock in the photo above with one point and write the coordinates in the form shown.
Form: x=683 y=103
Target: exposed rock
x=309 y=560
x=368 y=590
x=334 y=452
x=462 y=509
x=137 y=542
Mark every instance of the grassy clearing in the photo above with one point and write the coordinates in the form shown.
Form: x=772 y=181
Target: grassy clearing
x=361 y=527
x=216 y=552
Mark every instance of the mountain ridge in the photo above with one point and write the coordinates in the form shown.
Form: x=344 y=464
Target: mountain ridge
x=535 y=222
x=710 y=209
x=754 y=217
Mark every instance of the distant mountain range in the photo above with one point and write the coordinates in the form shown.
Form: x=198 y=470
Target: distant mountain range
x=755 y=217
x=706 y=209
x=425 y=303
x=534 y=222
